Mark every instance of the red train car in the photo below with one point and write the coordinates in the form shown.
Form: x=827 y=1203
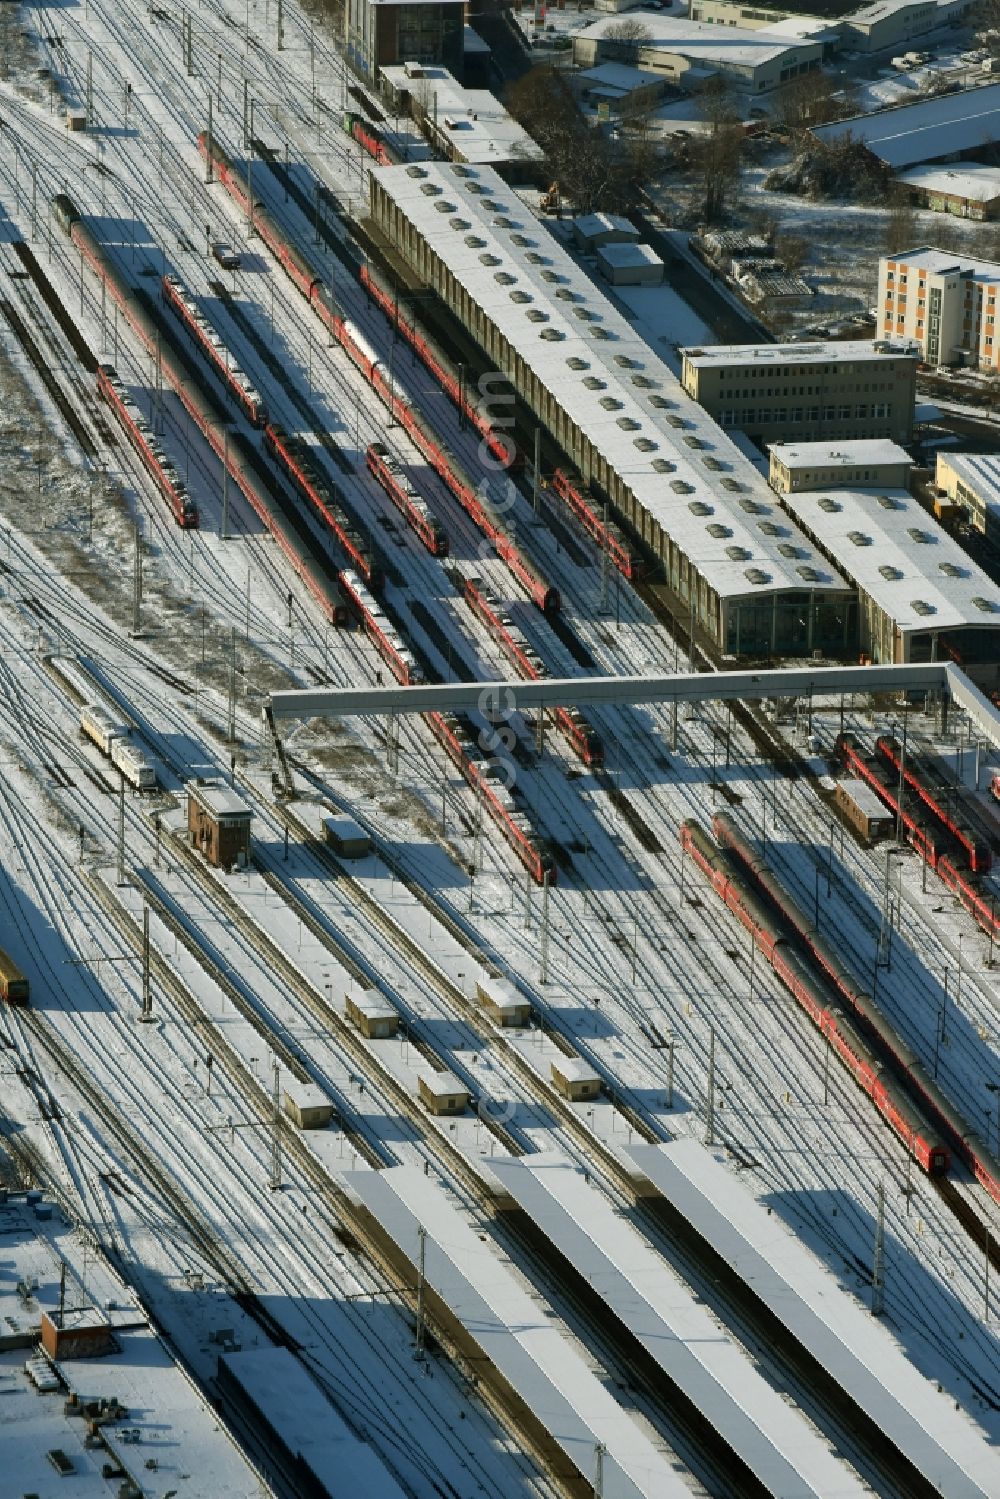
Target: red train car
x=919 y=1134
x=504 y=449
x=380 y=629
x=509 y=815
x=920 y=778
x=419 y=516
x=582 y=736
x=147 y=445
x=179 y=299
x=292 y=454
x=366 y=135
x=576 y=494
x=965 y=1139
x=359 y=351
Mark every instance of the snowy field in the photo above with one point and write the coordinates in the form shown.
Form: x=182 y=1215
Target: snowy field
x=628 y=939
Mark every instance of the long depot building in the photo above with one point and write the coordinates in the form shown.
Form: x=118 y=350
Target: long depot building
x=756 y=584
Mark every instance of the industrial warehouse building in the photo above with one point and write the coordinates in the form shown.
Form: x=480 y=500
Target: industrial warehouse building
x=686 y=52
x=729 y=554
x=947 y=304
x=804 y=391
x=933 y=130
x=972 y=480
x=969 y=190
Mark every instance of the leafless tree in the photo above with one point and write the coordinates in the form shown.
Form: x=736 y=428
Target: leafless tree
x=812 y=99
x=717 y=152
x=792 y=249
x=901 y=224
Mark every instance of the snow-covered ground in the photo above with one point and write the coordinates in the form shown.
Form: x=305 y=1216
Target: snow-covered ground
x=632 y=941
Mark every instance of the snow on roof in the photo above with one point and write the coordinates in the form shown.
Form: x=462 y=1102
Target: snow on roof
x=510 y=1326
x=925 y=131
x=776 y=1442
x=175 y=1425
x=587 y=225
x=880 y=11
x=858 y=1350
x=980 y=471
x=980 y=184
x=619 y=255
x=864 y=797
x=309 y=1424
x=472 y=119
x=218 y=799
x=875 y=452
x=343 y=826
x=940 y=262
x=575 y=1070
x=803 y=28
x=731 y=46
x=619 y=76
x=706 y=356
x=683 y=469
x=442 y=1084
x=900 y=557
x=373 y=1006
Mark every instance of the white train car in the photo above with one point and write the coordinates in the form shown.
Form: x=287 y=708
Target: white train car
x=134 y=764
x=97 y=724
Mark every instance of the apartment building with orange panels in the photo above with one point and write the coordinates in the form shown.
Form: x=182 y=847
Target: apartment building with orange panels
x=947 y=305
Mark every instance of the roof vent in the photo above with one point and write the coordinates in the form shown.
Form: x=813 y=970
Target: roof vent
x=445 y=207
x=416 y=171
x=460 y=226
x=626 y=363
x=738 y=554
x=504 y=278
x=888 y=502
x=522 y=240
x=584 y=313
x=504 y=223
x=712 y=463
x=593 y=383
x=535 y=314
x=533 y=257
x=921 y=606
x=492 y=206
x=645 y=445
x=718 y=531
x=461 y=170
x=830 y=506
x=859 y=538
x=550 y=277
x=663 y=466
x=757 y=575
x=809 y=574
x=660 y=402
x=915 y=534
x=984 y=605
x=890 y=573
x=554 y=335
x=600 y=332
x=769 y=528
x=681 y=486
x=643 y=382
x=628 y=424
x=474 y=241
x=676 y=421
x=752 y=507
x=734 y=486
x=611 y=403
x=698 y=507
x=787 y=550
x=520 y=296
x=471 y=187
x=431 y=189
x=951 y=569
x=490 y=260
x=576 y=363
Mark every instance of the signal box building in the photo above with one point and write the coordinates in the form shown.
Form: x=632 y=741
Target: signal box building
x=503 y=1001
x=218 y=823
x=754 y=582
x=803 y=392
x=373 y=1016
x=442 y=1092
x=574 y=1079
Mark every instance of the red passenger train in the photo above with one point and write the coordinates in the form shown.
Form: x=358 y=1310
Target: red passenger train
x=147 y=445
x=956 y=1128
x=931 y=789
x=577 y=495
x=358 y=350
x=582 y=736
x=366 y=135
x=912 y=1126
x=294 y=458
x=236 y=382
x=380 y=629
x=383 y=467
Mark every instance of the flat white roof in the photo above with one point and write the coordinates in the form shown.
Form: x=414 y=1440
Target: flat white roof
x=623 y=255
x=874 y=451
x=587 y=225
x=344 y=826
x=504 y=994
x=776 y=1441
x=575 y=1069
x=925 y=131
x=307 y=1095
x=864 y=797
x=309 y=1424
x=619 y=75
x=850 y=351
x=374 y=1007
x=480 y=127
x=218 y=799
x=680 y=465
x=856 y=1348
x=981 y=471
x=980 y=184
x=733 y=46
x=900 y=556
x=442 y=1084
x=882 y=9
x=939 y=262
x=511 y=1328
